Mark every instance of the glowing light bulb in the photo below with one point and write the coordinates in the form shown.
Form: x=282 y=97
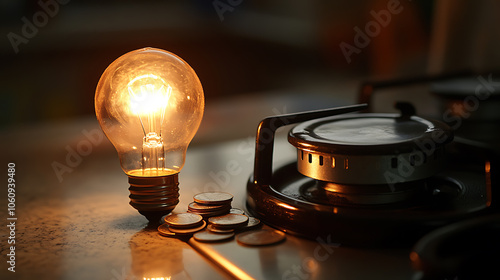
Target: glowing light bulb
x=149 y=103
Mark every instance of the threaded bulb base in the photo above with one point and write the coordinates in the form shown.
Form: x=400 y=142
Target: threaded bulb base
x=154 y=197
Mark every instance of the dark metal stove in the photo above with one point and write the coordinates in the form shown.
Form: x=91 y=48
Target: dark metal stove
x=377 y=173
x=371 y=195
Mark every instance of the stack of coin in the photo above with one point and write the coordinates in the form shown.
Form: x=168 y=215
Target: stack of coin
x=224 y=227
x=214 y=206
x=182 y=224
x=210 y=204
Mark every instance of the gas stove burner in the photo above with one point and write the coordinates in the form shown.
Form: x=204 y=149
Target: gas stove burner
x=367 y=148
x=359 y=173
x=358 y=195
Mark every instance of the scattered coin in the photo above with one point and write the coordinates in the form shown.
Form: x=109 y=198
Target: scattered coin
x=165 y=231
x=229 y=221
x=183 y=220
x=213 y=198
x=188 y=230
x=216 y=230
x=252 y=223
x=260 y=237
x=236 y=211
x=207 y=236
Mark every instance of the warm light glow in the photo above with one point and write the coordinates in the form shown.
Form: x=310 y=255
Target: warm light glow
x=287 y=206
x=332 y=187
x=149 y=94
x=312 y=265
x=150 y=103
x=487 y=170
x=217 y=258
x=157 y=278
x=414 y=257
x=148 y=172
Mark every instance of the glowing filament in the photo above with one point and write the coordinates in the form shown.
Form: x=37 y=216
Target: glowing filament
x=148 y=94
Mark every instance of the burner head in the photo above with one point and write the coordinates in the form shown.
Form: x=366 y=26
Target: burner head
x=342 y=198
x=370 y=148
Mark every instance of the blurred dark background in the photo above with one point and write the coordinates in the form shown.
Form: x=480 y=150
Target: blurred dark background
x=249 y=55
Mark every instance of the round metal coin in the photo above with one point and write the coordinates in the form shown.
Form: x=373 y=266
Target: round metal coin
x=213 y=214
x=165 y=231
x=260 y=237
x=188 y=230
x=183 y=220
x=236 y=211
x=216 y=230
x=196 y=207
x=229 y=221
x=207 y=236
x=252 y=223
x=213 y=198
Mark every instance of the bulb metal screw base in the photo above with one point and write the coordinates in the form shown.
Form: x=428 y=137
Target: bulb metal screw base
x=154 y=197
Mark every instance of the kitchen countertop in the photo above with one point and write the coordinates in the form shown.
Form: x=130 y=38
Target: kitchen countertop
x=76 y=223
x=81 y=227
x=74 y=220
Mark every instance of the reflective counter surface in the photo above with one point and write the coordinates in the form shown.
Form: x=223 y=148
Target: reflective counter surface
x=74 y=220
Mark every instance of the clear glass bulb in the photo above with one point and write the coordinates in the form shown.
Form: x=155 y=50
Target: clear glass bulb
x=149 y=103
